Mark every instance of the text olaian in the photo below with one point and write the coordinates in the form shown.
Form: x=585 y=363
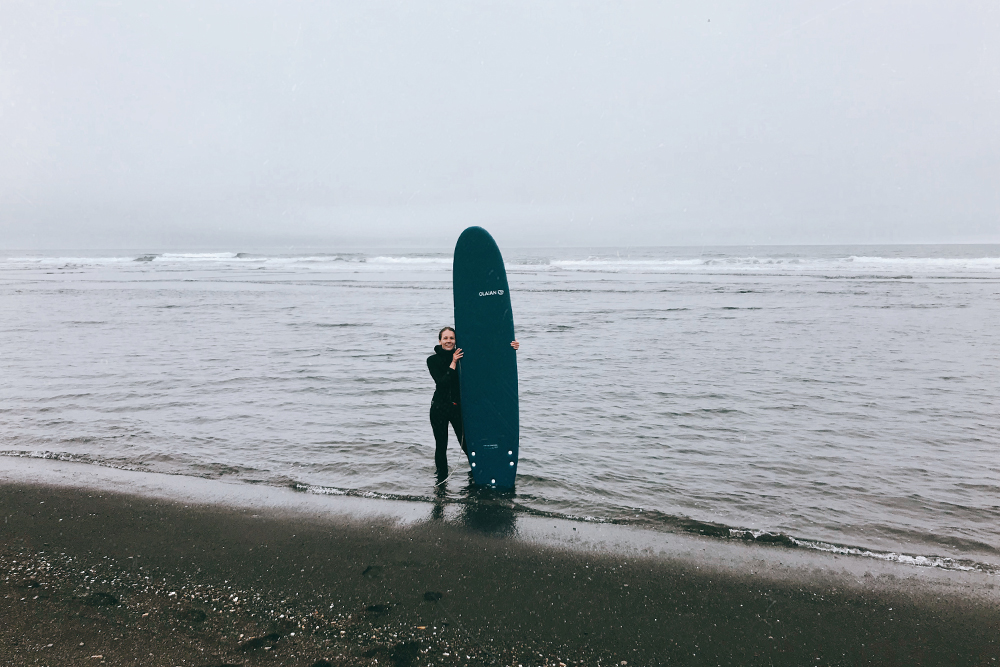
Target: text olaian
x=492 y=293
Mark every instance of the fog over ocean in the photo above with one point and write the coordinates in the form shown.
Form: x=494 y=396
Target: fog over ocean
x=841 y=398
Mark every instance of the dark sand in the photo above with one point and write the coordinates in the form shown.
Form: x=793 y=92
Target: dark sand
x=98 y=578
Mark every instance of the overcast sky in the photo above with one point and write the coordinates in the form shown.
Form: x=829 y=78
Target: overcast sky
x=224 y=125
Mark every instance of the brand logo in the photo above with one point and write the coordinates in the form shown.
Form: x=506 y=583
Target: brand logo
x=492 y=292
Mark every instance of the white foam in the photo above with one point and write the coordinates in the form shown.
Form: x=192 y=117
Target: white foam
x=791 y=265
x=891 y=556
x=60 y=261
x=411 y=260
x=321 y=490
x=315 y=259
x=598 y=263
x=197 y=256
x=804 y=265
x=929 y=263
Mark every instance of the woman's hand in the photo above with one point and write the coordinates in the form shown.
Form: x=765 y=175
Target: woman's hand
x=455 y=356
x=514 y=344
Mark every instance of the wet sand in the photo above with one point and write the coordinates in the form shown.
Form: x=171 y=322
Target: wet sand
x=95 y=574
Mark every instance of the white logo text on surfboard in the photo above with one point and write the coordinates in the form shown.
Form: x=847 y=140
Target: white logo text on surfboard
x=492 y=292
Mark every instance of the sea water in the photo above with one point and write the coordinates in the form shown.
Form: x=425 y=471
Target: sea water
x=839 y=398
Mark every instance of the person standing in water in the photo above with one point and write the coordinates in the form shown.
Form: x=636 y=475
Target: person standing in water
x=446 y=405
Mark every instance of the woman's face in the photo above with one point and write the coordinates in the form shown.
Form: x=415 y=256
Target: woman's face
x=448 y=340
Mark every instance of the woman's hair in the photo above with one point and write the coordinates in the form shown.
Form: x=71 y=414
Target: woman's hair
x=441 y=333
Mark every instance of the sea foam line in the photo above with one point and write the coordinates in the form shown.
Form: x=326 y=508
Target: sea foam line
x=907 y=559
x=600 y=264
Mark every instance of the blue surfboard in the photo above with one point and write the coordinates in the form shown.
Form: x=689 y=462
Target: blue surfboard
x=487 y=372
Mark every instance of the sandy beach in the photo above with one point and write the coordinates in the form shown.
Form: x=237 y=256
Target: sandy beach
x=722 y=282
x=110 y=567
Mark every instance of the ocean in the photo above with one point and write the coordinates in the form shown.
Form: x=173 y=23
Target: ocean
x=844 y=399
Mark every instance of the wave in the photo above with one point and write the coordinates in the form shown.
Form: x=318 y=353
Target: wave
x=119 y=464
x=79 y=261
x=806 y=265
x=197 y=256
x=647 y=261
x=944 y=563
x=382 y=259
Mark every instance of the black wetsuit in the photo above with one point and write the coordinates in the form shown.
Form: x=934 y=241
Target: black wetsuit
x=446 y=406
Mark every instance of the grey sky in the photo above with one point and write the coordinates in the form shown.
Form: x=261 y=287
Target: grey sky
x=225 y=124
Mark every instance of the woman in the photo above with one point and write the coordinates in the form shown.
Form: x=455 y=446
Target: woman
x=446 y=405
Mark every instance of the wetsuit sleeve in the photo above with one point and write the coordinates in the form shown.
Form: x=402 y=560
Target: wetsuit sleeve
x=441 y=373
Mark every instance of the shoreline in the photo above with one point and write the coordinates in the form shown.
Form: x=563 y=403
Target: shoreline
x=490 y=512
x=183 y=567
x=490 y=518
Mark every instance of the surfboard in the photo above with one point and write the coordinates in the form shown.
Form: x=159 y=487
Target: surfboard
x=487 y=373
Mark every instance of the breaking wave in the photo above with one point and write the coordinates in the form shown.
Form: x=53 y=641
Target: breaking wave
x=832 y=265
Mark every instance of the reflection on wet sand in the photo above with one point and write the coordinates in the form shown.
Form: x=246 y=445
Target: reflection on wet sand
x=482 y=509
